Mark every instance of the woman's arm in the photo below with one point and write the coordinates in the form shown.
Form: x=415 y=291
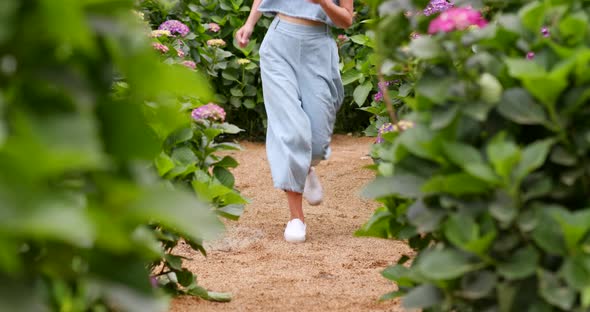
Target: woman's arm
x=244 y=33
x=341 y=15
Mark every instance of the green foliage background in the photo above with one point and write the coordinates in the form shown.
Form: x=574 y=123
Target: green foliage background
x=238 y=87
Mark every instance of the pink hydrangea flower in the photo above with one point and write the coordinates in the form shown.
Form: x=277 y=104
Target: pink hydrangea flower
x=214 y=27
x=456 y=19
x=160 y=47
x=189 y=64
x=211 y=112
x=175 y=27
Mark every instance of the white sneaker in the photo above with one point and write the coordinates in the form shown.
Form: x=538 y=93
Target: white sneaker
x=295 y=231
x=312 y=192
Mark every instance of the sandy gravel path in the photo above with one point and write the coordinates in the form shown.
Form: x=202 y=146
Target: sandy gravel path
x=332 y=271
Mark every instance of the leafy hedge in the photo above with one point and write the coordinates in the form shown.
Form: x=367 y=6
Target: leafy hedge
x=490 y=184
x=83 y=211
x=234 y=71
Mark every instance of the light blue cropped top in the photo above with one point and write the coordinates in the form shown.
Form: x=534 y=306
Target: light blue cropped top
x=296 y=8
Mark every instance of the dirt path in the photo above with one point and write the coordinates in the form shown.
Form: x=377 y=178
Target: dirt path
x=332 y=271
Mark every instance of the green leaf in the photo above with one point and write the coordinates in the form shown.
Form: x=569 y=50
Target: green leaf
x=445 y=264
x=574 y=225
x=503 y=208
x=456 y=184
x=520 y=265
x=391 y=295
x=185 y=278
x=361 y=92
x=533 y=157
x=503 y=154
x=532 y=16
x=547 y=233
x=423 y=296
x=461 y=154
x=164 y=163
x=360 y=39
x=175 y=262
x=463 y=232
x=229 y=128
x=184 y=155
x=576 y=272
x=518 y=106
x=227 y=162
x=423 y=218
x=405 y=185
x=351 y=76
x=555 y=292
x=491 y=89
x=219 y=296
x=483 y=172
x=425 y=48
x=422 y=142
x=224 y=176
x=232 y=212
x=574 y=27
x=477 y=285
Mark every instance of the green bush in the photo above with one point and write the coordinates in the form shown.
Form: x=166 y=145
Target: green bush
x=234 y=72
x=79 y=198
x=491 y=183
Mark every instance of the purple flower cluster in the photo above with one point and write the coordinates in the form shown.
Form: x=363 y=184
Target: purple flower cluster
x=456 y=19
x=211 y=112
x=175 y=27
x=389 y=127
x=436 y=6
x=378 y=97
x=386 y=127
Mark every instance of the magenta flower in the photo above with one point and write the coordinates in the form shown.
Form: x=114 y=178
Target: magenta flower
x=530 y=55
x=214 y=27
x=189 y=64
x=436 y=6
x=342 y=38
x=211 y=112
x=456 y=19
x=175 y=27
x=414 y=35
x=545 y=32
x=160 y=47
x=180 y=53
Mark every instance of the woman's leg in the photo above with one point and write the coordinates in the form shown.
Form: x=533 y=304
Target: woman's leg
x=295 y=205
x=322 y=92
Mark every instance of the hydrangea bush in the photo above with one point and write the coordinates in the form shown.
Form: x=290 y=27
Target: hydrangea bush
x=490 y=184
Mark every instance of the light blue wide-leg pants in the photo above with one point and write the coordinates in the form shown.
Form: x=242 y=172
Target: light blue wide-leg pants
x=302 y=91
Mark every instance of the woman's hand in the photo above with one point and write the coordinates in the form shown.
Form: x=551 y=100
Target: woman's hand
x=243 y=35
